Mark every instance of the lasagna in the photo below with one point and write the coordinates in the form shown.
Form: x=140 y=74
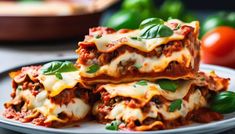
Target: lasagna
x=143 y=79
x=46 y=100
x=144 y=105
x=121 y=56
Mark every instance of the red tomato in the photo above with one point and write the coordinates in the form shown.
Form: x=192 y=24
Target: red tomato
x=218 y=46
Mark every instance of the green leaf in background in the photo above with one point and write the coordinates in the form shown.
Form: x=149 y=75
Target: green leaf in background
x=172 y=8
x=175 y=105
x=142 y=83
x=124 y=19
x=113 y=125
x=169 y=85
x=93 y=68
x=54 y=67
x=151 y=21
x=223 y=102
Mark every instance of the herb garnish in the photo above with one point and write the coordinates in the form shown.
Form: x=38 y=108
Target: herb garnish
x=175 y=105
x=142 y=83
x=113 y=125
x=58 y=67
x=169 y=85
x=93 y=68
x=154 y=27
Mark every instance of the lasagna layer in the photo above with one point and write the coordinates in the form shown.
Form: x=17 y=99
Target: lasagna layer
x=147 y=107
x=120 y=58
x=45 y=100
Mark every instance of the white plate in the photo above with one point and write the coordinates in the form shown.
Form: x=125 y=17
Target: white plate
x=93 y=127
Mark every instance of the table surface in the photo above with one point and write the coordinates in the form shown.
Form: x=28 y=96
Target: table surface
x=12 y=55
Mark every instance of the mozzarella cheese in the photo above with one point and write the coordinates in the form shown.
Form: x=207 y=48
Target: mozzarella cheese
x=145 y=45
x=54 y=85
x=40 y=103
x=122 y=111
x=153 y=64
x=145 y=93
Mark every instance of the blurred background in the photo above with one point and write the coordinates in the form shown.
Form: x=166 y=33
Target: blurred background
x=39 y=30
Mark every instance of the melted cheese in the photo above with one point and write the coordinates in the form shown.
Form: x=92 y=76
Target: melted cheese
x=145 y=45
x=195 y=101
x=153 y=64
x=40 y=103
x=54 y=85
x=122 y=111
x=145 y=93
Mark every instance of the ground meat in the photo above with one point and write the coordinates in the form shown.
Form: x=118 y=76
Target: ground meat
x=64 y=97
x=87 y=50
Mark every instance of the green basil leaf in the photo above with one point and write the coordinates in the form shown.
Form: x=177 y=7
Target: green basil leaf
x=113 y=125
x=58 y=67
x=93 y=68
x=169 y=85
x=175 y=105
x=223 y=102
x=155 y=31
x=149 y=31
x=164 y=31
x=142 y=83
x=58 y=75
x=150 y=21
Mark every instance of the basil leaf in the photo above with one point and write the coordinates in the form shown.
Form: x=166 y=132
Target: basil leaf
x=175 y=105
x=142 y=83
x=150 y=21
x=54 y=67
x=155 y=31
x=223 y=102
x=169 y=85
x=113 y=125
x=164 y=31
x=58 y=75
x=93 y=68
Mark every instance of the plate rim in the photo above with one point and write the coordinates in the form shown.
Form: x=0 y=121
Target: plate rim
x=6 y=123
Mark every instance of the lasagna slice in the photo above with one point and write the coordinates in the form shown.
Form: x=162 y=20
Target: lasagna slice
x=47 y=100
x=113 y=56
x=164 y=104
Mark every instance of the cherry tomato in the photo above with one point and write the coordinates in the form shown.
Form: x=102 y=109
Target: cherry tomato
x=218 y=46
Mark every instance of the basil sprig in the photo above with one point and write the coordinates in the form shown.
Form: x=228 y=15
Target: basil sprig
x=175 y=105
x=223 y=102
x=169 y=85
x=154 y=28
x=58 y=67
x=113 y=125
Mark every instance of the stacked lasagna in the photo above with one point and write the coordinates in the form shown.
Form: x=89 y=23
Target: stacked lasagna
x=141 y=83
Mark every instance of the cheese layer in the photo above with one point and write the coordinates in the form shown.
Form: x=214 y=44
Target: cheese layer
x=55 y=86
x=122 y=112
x=153 y=64
x=146 y=45
x=40 y=103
